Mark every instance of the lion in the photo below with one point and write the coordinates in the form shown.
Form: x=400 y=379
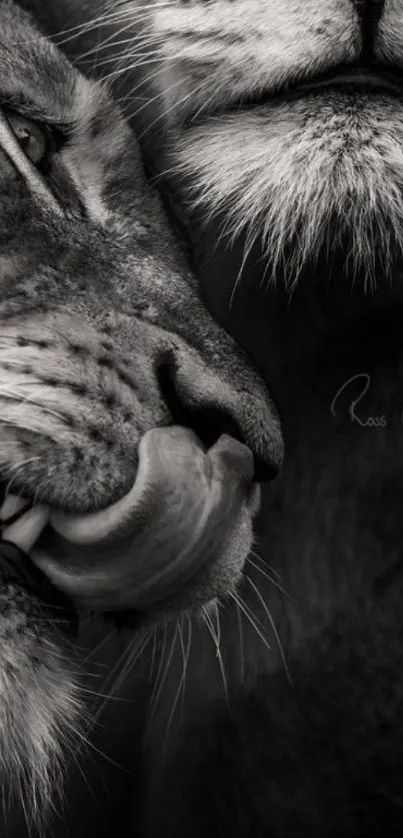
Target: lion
x=274 y=131
x=134 y=431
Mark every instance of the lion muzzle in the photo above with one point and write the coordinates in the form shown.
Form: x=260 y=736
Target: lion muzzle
x=188 y=506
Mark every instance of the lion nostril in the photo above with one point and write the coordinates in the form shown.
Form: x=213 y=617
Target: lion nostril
x=208 y=421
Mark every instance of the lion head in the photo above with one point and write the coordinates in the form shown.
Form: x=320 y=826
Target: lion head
x=291 y=127
x=275 y=127
x=130 y=423
x=284 y=120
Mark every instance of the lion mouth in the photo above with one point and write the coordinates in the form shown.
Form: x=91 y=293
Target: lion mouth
x=186 y=505
x=354 y=78
x=21 y=524
x=386 y=79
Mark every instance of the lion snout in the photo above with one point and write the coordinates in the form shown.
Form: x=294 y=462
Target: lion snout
x=72 y=416
x=188 y=509
x=142 y=451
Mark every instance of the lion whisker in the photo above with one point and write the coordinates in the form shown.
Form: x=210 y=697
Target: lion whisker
x=13 y=394
x=271 y=580
x=154 y=651
x=166 y=111
x=180 y=689
x=127 y=661
x=215 y=638
x=17 y=467
x=112 y=16
x=273 y=625
x=155 y=698
x=253 y=620
x=98 y=648
x=241 y=641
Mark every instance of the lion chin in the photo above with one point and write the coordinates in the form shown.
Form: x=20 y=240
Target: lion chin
x=330 y=191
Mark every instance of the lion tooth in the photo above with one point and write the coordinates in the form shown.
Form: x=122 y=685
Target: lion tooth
x=12 y=504
x=26 y=531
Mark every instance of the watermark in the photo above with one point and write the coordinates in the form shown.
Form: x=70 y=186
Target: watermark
x=356 y=409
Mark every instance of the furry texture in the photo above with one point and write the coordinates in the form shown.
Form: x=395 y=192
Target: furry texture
x=40 y=704
x=268 y=172
x=301 y=191
x=272 y=171
x=95 y=296
x=234 y=748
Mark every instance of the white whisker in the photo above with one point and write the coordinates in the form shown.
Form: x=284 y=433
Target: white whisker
x=125 y=663
x=241 y=642
x=156 y=696
x=215 y=638
x=271 y=580
x=180 y=689
x=253 y=620
x=273 y=625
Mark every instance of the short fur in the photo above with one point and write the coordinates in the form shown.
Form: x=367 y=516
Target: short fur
x=316 y=183
x=95 y=295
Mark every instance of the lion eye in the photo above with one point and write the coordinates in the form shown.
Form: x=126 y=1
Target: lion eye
x=33 y=139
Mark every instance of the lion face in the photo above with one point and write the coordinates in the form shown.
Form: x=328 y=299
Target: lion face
x=304 y=124
x=104 y=340
x=287 y=121
x=131 y=423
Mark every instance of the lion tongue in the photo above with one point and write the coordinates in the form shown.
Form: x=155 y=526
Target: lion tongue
x=187 y=507
x=182 y=510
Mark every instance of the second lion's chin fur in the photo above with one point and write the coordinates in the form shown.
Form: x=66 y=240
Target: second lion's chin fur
x=306 y=179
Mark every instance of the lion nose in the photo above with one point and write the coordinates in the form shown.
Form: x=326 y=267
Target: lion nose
x=212 y=408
